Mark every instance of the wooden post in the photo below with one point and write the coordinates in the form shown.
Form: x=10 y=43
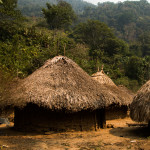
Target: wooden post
x=64 y=49
x=102 y=69
x=57 y=46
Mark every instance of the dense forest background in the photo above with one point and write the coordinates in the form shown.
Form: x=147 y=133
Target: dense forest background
x=114 y=34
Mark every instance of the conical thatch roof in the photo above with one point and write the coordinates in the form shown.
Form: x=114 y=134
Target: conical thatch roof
x=61 y=84
x=103 y=79
x=140 y=107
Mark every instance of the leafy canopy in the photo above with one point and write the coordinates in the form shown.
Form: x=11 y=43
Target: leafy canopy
x=99 y=37
x=60 y=15
x=10 y=18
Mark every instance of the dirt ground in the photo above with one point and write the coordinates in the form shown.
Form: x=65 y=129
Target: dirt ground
x=121 y=137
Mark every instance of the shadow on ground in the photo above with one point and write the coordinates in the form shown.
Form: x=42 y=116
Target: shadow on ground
x=11 y=139
x=10 y=131
x=131 y=132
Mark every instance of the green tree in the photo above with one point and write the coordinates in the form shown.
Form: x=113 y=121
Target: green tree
x=94 y=33
x=144 y=41
x=99 y=37
x=135 y=69
x=116 y=46
x=10 y=18
x=60 y=15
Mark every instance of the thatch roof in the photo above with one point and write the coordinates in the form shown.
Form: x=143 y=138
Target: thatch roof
x=126 y=90
x=103 y=79
x=140 y=107
x=61 y=84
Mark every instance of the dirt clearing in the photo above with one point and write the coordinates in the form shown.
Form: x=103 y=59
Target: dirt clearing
x=121 y=137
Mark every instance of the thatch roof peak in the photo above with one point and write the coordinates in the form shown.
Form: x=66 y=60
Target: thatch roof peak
x=102 y=78
x=55 y=60
x=140 y=107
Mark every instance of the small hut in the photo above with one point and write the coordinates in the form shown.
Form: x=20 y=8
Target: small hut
x=115 y=110
x=140 y=107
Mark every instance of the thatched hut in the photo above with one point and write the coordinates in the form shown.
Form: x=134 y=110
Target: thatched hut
x=60 y=96
x=57 y=96
x=115 y=110
x=140 y=107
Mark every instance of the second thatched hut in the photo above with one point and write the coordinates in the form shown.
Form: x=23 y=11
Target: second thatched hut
x=115 y=110
x=140 y=107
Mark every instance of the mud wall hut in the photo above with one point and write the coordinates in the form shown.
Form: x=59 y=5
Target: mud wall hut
x=58 y=96
x=115 y=110
x=140 y=107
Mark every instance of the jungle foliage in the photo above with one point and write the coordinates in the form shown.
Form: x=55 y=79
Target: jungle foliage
x=59 y=16
x=26 y=43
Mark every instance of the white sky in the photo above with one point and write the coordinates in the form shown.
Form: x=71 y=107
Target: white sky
x=101 y=1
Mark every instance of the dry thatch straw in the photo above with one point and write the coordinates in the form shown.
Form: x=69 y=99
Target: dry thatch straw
x=124 y=97
x=60 y=84
x=102 y=78
x=126 y=90
x=140 y=107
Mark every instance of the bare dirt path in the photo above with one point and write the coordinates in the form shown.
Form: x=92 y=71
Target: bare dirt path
x=121 y=137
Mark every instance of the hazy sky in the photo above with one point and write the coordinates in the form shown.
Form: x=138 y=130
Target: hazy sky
x=96 y=1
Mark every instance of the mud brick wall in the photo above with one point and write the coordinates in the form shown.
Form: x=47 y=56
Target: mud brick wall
x=33 y=117
x=116 y=112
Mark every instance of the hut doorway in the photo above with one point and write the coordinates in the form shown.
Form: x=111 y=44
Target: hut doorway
x=101 y=118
